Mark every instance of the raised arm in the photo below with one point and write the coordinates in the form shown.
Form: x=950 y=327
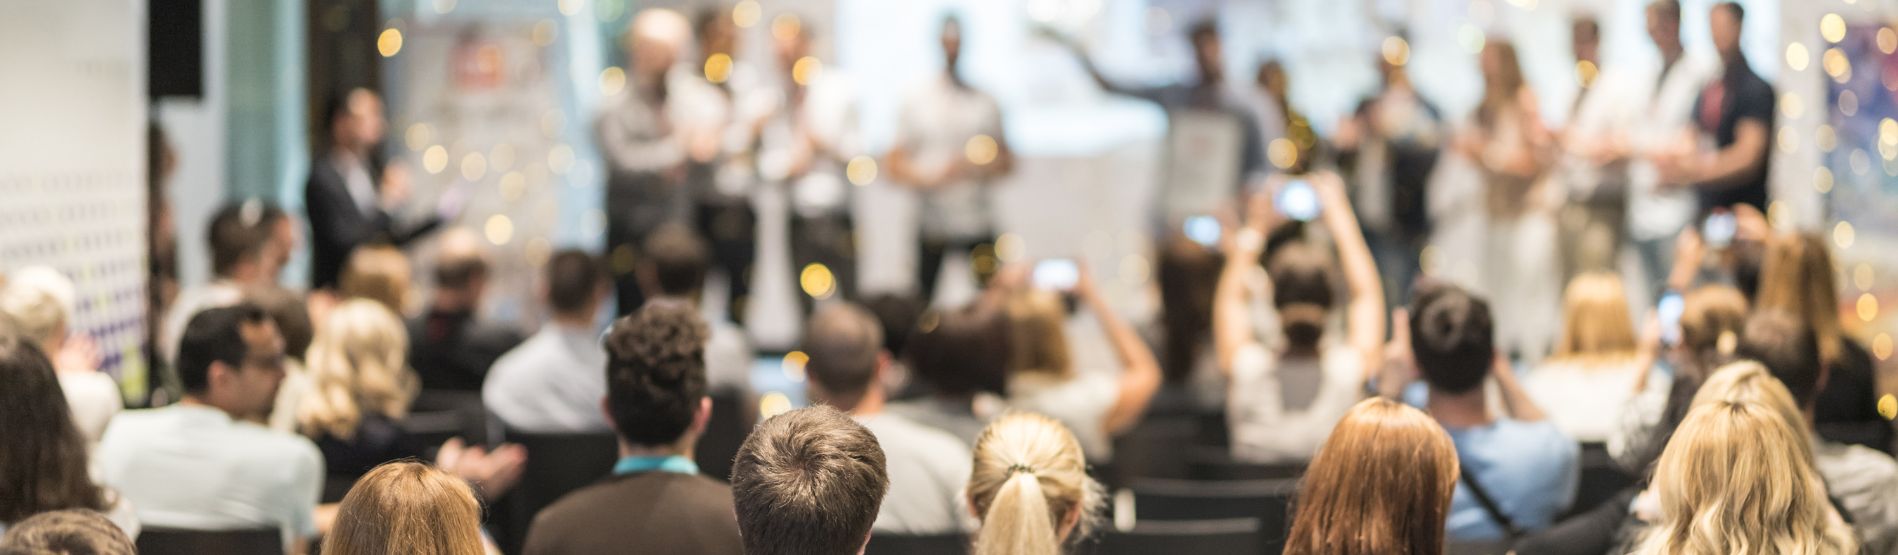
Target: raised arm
x=1232 y=322
x=1516 y=402
x=1364 y=311
x=1140 y=371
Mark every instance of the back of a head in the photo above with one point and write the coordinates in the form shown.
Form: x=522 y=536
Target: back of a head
x=238 y=234
x=357 y=364
x=1748 y=381
x=963 y=351
x=67 y=532
x=1037 y=326
x=1301 y=291
x=291 y=314
x=461 y=261
x=809 y=481
x=1789 y=350
x=1595 y=318
x=897 y=314
x=1711 y=319
x=214 y=335
x=42 y=466
x=574 y=279
x=1732 y=480
x=379 y=273
x=1353 y=500
x=40 y=302
x=1029 y=479
x=407 y=507
x=655 y=372
x=1451 y=335
x=676 y=260
x=845 y=346
x=1796 y=277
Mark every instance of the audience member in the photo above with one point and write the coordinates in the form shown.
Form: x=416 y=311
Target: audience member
x=290 y=312
x=67 y=532
x=1518 y=469
x=1705 y=338
x=645 y=146
x=656 y=400
x=674 y=265
x=407 y=507
x=552 y=383
x=43 y=466
x=239 y=238
x=1094 y=404
x=1355 y=498
x=897 y=315
x=454 y=346
x=204 y=463
x=1861 y=479
x=808 y=482
x=378 y=273
x=1030 y=487
x=40 y=302
x=1290 y=380
x=928 y=468
x=1596 y=362
x=1796 y=276
x=961 y=358
x=351 y=198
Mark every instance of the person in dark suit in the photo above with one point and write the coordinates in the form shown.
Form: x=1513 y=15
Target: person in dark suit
x=351 y=194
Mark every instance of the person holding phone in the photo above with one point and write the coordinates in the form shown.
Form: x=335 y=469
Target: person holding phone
x=1291 y=377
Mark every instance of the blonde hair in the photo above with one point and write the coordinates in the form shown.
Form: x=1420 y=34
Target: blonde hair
x=1038 y=326
x=1737 y=478
x=1596 y=324
x=40 y=301
x=1796 y=276
x=407 y=507
x=379 y=273
x=356 y=363
x=1351 y=502
x=1029 y=475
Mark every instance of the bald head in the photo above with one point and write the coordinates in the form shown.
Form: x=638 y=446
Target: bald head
x=845 y=345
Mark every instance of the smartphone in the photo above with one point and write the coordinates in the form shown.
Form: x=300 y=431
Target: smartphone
x=1203 y=230
x=1719 y=228
x=1297 y=200
x=1668 y=312
x=1056 y=274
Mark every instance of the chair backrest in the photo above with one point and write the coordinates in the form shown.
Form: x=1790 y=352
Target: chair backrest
x=1495 y=547
x=1152 y=449
x=733 y=417
x=924 y=544
x=1216 y=463
x=1601 y=478
x=171 y=541
x=1237 y=535
x=557 y=464
x=1268 y=501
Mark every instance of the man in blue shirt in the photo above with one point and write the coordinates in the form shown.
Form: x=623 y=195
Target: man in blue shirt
x=1519 y=470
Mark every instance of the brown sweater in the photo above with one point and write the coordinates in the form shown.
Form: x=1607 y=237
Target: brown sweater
x=646 y=512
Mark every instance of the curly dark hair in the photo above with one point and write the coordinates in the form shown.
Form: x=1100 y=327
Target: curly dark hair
x=655 y=372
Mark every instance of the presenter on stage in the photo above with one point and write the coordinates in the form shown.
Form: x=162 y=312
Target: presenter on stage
x=352 y=196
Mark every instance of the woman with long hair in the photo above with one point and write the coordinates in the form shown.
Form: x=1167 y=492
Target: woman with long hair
x=1096 y=406
x=1508 y=142
x=1708 y=335
x=1382 y=483
x=407 y=507
x=1596 y=362
x=1796 y=276
x=43 y=461
x=1029 y=487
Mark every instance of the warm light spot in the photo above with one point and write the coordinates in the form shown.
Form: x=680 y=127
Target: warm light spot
x=817 y=281
x=1778 y=216
x=982 y=259
x=786 y=27
x=1862 y=276
x=1010 y=248
x=1867 y=307
x=1135 y=270
x=746 y=14
x=793 y=365
x=621 y=260
x=1282 y=153
x=513 y=186
x=389 y=42
x=560 y=159
x=1843 y=235
x=417 y=136
x=612 y=80
x=806 y=70
x=435 y=159
x=1887 y=405
x=981 y=150
x=1797 y=57
x=718 y=67
x=1832 y=27
x=773 y=404
x=1837 y=65
x=1427 y=261
x=543 y=33
x=444 y=6
x=928 y=321
x=1887 y=40
x=1791 y=104
x=1826 y=137
x=1848 y=103
x=862 y=170
x=474 y=166
x=1881 y=346
x=1788 y=140
x=1585 y=72
x=1396 y=51
x=570 y=7
x=1822 y=180
x=499 y=229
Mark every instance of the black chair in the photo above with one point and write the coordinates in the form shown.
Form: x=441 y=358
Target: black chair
x=1496 y=547
x=557 y=464
x=1152 y=449
x=925 y=544
x=1216 y=463
x=733 y=417
x=1601 y=479
x=169 y=541
x=1268 y=501
x=430 y=429
x=1237 y=535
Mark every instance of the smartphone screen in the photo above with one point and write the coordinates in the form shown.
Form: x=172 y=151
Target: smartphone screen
x=1668 y=311
x=1719 y=229
x=1203 y=230
x=1056 y=274
x=1298 y=201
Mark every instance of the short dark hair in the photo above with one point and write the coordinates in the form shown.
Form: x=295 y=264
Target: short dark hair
x=809 y=481
x=1301 y=277
x=289 y=311
x=1203 y=29
x=1734 y=8
x=239 y=231
x=1672 y=8
x=1452 y=338
x=843 y=342
x=459 y=270
x=897 y=315
x=707 y=17
x=214 y=335
x=655 y=372
x=1788 y=348
x=962 y=351
x=334 y=108
x=573 y=278
x=70 y=532
x=677 y=258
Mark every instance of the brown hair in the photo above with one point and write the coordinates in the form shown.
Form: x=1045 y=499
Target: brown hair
x=1037 y=323
x=407 y=507
x=1381 y=483
x=1500 y=90
x=67 y=532
x=379 y=273
x=808 y=481
x=1302 y=292
x=963 y=351
x=43 y=465
x=1796 y=277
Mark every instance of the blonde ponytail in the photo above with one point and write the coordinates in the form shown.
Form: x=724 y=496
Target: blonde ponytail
x=1029 y=476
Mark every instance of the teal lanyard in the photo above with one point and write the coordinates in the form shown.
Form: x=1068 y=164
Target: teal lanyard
x=673 y=463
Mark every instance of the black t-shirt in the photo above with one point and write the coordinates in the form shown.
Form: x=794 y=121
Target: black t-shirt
x=1739 y=95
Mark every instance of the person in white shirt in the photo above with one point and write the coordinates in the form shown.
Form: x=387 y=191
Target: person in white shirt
x=804 y=144
x=205 y=463
x=43 y=467
x=1291 y=379
x=928 y=468
x=40 y=302
x=553 y=382
x=950 y=149
x=1593 y=164
x=248 y=241
x=1596 y=363
x=1657 y=212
